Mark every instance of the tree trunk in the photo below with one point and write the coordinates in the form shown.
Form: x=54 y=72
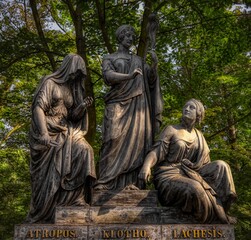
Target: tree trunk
x=38 y=24
x=231 y=129
x=143 y=40
x=76 y=16
x=101 y=18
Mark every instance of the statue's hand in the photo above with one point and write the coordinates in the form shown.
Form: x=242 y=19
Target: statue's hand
x=145 y=173
x=136 y=72
x=45 y=139
x=187 y=162
x=88 y=102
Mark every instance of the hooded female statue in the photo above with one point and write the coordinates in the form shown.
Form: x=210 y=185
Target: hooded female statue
x=62 y=162
x=133 y=107
x=184 y=175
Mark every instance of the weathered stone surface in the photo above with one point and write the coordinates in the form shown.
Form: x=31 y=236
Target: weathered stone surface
x=172 y=215
x=125 y=215
x=125 y=231
x=50 y=231
x=112 y=214
x=107 y=214
x=72 y=215
x=140 y=198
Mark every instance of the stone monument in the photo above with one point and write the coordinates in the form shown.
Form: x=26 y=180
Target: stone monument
x=192 y=193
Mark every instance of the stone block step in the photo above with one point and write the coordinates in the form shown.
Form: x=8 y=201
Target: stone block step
x=140 y=198
x=112 y=215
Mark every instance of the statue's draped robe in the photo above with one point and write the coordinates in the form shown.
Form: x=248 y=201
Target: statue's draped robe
x=60 y=175
x=132 y=108
x=204 y=190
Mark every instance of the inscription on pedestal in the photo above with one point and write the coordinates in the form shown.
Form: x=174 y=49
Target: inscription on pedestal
x=124 y=234
x=125 y=231
x=142 y=232
x=200 y=231
x=197 y=233
x=50 y=231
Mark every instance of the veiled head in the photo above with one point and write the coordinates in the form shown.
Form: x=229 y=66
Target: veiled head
x=73 y=65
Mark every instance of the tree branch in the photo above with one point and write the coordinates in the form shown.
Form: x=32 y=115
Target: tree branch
x=197 y=23
x=227 y=127
x=11 y=132
x=160 y=6
x=58 y=24
x=4 y=68
x=96 y=72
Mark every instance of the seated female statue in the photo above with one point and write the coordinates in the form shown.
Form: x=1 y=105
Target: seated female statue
x=62 y=162
x=184 y=175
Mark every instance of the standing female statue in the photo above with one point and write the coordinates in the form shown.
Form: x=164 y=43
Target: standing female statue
x=62 y=162
x=185 y=177
x=132 y=112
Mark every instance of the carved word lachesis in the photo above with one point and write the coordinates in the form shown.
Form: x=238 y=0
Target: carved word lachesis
x=197 y=234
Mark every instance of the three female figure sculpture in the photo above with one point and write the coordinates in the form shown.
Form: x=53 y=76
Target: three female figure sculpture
x=62 y=162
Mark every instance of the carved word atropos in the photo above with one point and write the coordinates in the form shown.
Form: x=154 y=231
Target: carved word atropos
x=197 y=234
x=55 y=233
x=124 y=234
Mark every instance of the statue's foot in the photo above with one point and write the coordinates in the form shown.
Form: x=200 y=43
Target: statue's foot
x=131 y=187
x=84 y=204
x=231 y=219
x=100 y=187
x=81 y=203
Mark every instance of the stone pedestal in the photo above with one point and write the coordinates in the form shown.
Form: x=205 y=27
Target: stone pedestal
x=123 y=215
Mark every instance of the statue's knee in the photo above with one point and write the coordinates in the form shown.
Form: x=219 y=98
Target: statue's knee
x=222 y=164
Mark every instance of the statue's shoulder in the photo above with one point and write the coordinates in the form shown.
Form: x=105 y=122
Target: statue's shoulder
x=116 y=55
x=48 y=82
x=198 y=132
x=168 y=131
x=111 y=56
x=137 y=57
x=171 y=128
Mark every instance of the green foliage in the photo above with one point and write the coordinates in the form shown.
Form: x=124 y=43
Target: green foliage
x=203 y=51
x=15 y=192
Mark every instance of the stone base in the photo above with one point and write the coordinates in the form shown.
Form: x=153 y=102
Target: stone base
x=124 y=231
x=120 y=215
x=123 y=215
